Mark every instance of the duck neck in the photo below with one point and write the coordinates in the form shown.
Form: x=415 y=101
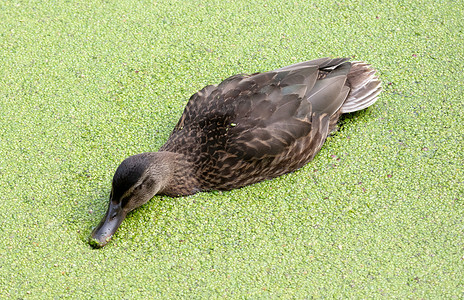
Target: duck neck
x=180 y=179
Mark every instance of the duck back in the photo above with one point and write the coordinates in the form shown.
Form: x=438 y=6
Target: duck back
x=255 y=127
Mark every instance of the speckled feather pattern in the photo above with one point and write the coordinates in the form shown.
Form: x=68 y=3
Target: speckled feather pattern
x=255 y=127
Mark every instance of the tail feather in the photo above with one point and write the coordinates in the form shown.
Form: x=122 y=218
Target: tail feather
x=365 y=87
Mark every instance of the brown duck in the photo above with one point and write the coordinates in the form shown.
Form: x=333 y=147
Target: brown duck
x=247 y=129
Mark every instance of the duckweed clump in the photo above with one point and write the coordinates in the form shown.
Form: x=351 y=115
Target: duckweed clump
x=378 y=213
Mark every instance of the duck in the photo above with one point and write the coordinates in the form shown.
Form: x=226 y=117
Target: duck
x=244 y=130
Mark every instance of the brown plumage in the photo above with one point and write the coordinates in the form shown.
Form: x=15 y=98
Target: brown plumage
x=247 y=129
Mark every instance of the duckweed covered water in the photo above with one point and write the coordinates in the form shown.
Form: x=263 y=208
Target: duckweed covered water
x=378 y=213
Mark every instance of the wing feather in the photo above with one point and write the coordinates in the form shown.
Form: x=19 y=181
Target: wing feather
x=264 y=114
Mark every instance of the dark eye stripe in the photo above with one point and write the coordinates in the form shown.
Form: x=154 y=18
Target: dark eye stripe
x=126 y=198
x=124 y=201
x=142 y=184
x=145 y=181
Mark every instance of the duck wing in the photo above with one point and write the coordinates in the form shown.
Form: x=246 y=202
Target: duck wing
x=213 y=97
x=263 y=114
x=255 y=127
x=289 y=108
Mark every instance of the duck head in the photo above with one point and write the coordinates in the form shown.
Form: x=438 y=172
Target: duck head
x=137 y=179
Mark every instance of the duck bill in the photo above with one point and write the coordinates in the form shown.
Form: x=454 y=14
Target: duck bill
x=102 y=234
